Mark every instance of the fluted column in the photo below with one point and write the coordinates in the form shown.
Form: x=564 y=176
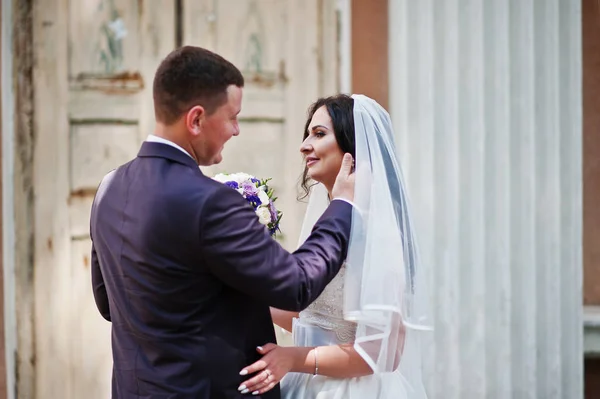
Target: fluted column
x=486 y=101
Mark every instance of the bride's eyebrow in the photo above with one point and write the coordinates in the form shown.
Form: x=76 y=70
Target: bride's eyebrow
x=318 y=126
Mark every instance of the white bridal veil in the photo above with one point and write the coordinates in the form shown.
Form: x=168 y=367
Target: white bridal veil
x=383 y=291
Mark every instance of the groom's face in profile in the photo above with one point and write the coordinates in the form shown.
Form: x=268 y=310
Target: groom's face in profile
x=217 y=128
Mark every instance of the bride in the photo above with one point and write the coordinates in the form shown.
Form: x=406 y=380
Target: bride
x=360 y=338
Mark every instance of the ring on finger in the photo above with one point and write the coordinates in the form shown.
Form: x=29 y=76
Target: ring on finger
x=268 y=373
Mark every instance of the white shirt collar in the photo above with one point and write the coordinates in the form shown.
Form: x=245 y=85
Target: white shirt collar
x=155 y=139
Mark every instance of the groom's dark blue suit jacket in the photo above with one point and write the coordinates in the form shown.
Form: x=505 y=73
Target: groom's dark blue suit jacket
x=186 y=274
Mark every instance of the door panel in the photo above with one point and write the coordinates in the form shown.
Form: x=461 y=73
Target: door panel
x=96 y=149
x=95 y=64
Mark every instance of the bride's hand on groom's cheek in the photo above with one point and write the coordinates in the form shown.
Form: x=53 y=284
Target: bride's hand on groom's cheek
x=276 y=362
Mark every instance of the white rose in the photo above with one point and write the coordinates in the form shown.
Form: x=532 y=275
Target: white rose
x=263 y=197
x=233 y=177
x=264 y=216
x=221 y=177
x=242 y=177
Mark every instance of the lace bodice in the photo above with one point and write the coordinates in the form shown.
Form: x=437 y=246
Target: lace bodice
x=327 y=311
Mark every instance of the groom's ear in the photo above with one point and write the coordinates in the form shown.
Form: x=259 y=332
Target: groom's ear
x=194 y=119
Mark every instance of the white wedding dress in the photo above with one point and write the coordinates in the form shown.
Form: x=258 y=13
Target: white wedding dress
x=322 y=324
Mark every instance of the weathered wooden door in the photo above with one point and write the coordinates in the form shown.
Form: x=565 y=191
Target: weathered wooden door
x=95 y=61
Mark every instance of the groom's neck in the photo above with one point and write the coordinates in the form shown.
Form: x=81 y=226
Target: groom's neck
x=175 y=134
x=172 y=133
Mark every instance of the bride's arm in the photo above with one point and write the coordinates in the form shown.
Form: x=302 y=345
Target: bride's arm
x=283 y=318
x=343 y=361
x=337 y=361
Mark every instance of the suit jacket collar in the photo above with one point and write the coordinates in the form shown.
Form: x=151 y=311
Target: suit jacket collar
x=160 y=150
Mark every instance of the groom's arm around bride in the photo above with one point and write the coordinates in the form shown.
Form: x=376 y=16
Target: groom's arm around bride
x=181 y=267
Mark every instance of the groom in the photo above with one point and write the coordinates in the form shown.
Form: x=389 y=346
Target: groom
x=181 y=266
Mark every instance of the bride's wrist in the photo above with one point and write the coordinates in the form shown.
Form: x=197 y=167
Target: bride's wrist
x=304 y=361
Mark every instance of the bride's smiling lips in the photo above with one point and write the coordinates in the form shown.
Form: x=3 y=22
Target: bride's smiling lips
x=311 y=161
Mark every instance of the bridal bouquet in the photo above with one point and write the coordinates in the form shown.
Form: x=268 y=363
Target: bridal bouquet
x=258 y=194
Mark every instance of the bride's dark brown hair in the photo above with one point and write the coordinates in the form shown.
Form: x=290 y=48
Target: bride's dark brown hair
x=341 y=110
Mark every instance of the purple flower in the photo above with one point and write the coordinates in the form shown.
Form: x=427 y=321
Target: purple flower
x=232 y=184
x=249 y=189
x=273 y=211
x=253 y=199
x=255 y=180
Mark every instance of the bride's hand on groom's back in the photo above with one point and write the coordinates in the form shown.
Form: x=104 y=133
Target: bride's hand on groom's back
x=343 y=187
x=276 y=362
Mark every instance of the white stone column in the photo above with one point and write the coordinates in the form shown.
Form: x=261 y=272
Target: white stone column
x=486 y=102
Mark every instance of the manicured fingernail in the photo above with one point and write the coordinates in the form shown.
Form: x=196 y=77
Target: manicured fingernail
x=245 y=391
x=259 y=348
x=243 y=372
x=241 y=387
x=255 y=393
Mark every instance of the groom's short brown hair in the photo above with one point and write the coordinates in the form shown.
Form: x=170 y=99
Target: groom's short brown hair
x=191 y=76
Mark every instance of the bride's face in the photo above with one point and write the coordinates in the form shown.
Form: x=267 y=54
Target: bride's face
x=322 y=154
